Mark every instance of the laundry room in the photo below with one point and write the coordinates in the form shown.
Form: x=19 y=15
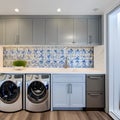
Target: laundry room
x=59 y=60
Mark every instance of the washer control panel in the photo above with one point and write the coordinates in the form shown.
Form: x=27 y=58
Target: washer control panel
x=37 y=76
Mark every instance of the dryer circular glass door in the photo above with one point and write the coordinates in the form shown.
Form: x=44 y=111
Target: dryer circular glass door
x=9 y=92
x=37 y=92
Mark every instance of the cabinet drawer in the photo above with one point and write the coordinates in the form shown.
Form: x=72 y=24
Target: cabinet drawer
x=95 y=100
x=68 y=78
x=95 y=83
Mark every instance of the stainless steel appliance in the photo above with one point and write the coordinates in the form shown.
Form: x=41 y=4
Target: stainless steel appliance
x=95 y=89
x=37 y=92
x=10 y=92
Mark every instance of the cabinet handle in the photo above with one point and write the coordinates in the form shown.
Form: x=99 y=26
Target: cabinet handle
x=70 y=88
x=89 y=39
x=95 y=77
x=94 y=94
x=17 y=39
x=73 y=42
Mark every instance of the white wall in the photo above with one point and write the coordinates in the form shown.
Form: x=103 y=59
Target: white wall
x=99 y=62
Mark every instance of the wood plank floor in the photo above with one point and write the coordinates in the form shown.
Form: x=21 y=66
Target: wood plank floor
x=56 y=115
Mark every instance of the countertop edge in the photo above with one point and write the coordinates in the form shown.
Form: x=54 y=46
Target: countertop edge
x=52 y=71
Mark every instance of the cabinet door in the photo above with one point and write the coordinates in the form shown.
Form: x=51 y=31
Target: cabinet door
x=51 y=32
x=25 y=31
x=60 y=95
x=77 y=96
x=1 y=32
x=11 y=31
x=39 y=31
x=93 y=30
x=65 y=31
x=81 y=31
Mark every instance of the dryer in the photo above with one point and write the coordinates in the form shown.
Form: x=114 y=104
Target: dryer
x=37 y=92
x=10 y=92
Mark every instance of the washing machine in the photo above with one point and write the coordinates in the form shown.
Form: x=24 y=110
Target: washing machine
x=10 y=92
x=37 y=92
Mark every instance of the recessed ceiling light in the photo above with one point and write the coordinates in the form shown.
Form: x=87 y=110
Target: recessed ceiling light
x=95 y=9
x=59 y=10
x=16 y=10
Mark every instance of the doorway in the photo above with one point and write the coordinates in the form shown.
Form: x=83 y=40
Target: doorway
x=113 y=62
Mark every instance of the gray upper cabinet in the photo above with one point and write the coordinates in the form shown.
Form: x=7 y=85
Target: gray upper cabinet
x=1 y=32
x=87 y=31
x=51 y=31
x=93 y=31
x=25 y=32
x=59 y=31
x=80 y=31
x=39 y=31
x=65 y=31
x=18 y=31
x=11 y=31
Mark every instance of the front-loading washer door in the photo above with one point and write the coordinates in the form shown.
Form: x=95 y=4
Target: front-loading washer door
x=9 y=92
x=37 y=92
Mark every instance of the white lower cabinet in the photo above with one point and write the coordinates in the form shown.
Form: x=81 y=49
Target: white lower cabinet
x=60 y=95
x=68 y=91
x=77 y=96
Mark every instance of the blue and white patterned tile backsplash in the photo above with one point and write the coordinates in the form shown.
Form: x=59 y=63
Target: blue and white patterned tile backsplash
x=51 y=56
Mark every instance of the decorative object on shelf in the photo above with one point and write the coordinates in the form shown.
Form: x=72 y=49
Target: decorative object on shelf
x=19 y=68
x=19 y=64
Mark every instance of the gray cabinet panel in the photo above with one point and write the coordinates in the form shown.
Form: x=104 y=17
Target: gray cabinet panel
x=81 y=31
x=93 y=31
x=65 y=31
x=25 y=31
x=51 y=31
x=11 y=31
x=95 y=83
x=1 y=32
x=39 y=31
x=95 y=100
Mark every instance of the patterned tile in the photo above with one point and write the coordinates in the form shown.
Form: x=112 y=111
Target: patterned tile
x=51 y=56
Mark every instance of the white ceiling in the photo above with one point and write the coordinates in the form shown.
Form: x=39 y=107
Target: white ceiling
x=49 y=7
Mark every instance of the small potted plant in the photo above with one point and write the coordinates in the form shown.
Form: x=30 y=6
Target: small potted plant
x=19 y=64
